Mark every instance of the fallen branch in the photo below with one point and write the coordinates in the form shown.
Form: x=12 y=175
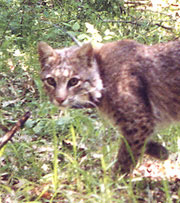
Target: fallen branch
x=13 y=130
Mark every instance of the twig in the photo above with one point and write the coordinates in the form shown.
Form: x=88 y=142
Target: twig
x=121 y=21
x=13 y=130
x=65 y=31
x=138 y=24
x=140 y=3
x=165 y=27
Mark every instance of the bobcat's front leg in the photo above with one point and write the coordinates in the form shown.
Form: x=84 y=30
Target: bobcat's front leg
x=135 y=132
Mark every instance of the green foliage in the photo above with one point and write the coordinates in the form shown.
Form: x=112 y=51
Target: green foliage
x=65 y=157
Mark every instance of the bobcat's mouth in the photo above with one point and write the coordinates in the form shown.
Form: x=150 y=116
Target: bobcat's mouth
x=82 y=106
x=74 y=104
x=90 y=103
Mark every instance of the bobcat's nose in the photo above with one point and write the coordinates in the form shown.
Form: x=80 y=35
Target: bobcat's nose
x=60 y=100
x=61 y=95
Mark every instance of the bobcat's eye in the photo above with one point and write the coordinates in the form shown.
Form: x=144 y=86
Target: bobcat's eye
x=72 y=82
x=51 y=81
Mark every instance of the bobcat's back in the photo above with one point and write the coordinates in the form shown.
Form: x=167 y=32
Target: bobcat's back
x=151 y=72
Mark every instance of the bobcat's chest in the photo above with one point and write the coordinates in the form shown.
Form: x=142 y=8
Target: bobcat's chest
x=109 y=112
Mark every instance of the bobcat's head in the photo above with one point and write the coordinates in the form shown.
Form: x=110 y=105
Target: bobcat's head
x=70 y=75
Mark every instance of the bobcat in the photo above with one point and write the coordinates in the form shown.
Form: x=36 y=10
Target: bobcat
x=136 y=86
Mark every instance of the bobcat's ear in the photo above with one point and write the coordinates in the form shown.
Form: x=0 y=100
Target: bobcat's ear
x=46 y=53
x=85 y=51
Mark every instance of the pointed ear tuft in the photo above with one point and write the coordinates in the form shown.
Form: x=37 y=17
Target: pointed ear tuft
x=44 y=50
x=47 y=54
x=86 y=50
